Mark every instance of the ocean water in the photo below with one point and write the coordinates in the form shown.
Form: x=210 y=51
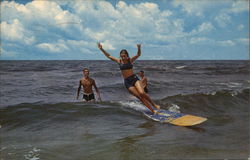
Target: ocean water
x=40 y=117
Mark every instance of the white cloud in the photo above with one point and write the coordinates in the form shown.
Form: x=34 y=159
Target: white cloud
x=8 y=54
x=121 y=5
x=72 y=27
x=12 y=31
x=108 y=45
x=70 y=47
x=94 y=20
x=35 y=13
x=226 y=43
x=12 y=10
x=58 y=47
x=154 y=57
x=205 y=27
x=166 y=13
x=193 y=7
x=15 y=31
x=239 y=6
x=125 y=24
x=81 y=46
x=244 y=41
x=240 y=27
x=199 y=40
x=50 y=12
x=213 y=42
x=223 y=19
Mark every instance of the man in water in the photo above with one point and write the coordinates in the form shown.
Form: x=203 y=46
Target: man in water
x=87 y=84
x=144 y=81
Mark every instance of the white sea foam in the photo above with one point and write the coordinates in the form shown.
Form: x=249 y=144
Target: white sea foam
x=180 y=67
x=231 y=84
x=174 y=108
x=136 y=105
x=33 y=154
x=234 y=84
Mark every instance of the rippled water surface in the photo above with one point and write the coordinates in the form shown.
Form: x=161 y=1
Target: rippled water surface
x=41 y=119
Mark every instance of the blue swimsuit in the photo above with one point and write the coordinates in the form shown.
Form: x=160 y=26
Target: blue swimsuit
x=125 y=66
x=131 y=80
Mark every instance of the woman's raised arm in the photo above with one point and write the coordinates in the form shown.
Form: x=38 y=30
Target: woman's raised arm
x=107 y=54
x=138 y=53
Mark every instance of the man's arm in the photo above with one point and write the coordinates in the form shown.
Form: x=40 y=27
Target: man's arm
x=138 y=53
x=146 y=82
x=97 y=91
x=79 y=89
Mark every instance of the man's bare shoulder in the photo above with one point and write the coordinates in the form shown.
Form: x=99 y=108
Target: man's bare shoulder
x=81 y=80
x=92 y=80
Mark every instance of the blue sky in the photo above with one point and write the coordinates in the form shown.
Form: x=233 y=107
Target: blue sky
x=167 y=29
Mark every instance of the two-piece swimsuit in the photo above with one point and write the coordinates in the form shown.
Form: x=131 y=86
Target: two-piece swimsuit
x=131 y=80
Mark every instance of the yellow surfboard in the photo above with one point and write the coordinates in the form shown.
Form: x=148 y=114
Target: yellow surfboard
x=179 y=119
x=188 y=120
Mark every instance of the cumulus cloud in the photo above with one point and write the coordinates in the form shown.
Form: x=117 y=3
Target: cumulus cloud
x=244 y=41
x=226 y=43
x=225 y=15
x=54 y=48
x=240 y=6
x=125 y=24
x=223 y=19
x=9 y=54
x=193 y=7
x=68 y=47
x=240 y=27
x=212 y=42
x=38 y=14
x=15 y=31
x=74 y=27
x=199 y=40
x=203 y=28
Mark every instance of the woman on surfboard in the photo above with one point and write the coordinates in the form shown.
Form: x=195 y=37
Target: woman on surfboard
x=131 y=81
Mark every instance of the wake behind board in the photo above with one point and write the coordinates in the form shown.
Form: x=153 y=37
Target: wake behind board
x=179 y=119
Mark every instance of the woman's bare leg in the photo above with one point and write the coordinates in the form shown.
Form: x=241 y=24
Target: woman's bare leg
x=144 y=95
x=134 y=91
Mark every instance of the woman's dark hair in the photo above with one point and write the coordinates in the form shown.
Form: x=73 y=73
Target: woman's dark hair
x=124 y=51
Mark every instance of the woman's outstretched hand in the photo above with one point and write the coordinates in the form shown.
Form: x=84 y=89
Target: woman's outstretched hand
x=99 y=45
x=138 y=46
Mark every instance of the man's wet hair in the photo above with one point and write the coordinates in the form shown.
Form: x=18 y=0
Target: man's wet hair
x=142 y=71
x=85 y=69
